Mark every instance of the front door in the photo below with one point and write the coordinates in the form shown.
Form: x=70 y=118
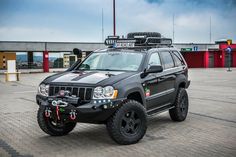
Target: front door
x=152 y=84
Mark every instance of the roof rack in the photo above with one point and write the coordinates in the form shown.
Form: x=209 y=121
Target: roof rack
x=137 y=42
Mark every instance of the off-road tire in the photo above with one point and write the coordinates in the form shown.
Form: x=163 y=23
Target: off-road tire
x=179 y=113
x=46 y=125
x=147 y=34
x=130 y=112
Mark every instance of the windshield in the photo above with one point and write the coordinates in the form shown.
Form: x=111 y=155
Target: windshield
x=112 y=61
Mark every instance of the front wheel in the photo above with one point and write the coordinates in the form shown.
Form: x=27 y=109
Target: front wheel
x=129 y=123
x=49 y=126
x=179 y=113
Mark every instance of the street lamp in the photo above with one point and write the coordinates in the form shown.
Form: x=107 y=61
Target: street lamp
x=114 y=17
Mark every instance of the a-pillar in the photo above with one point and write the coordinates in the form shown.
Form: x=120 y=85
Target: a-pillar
x=206 y=59
x=45 y=61
x=30 y=59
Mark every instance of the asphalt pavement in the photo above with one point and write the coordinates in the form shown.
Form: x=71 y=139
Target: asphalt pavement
x=209 y=130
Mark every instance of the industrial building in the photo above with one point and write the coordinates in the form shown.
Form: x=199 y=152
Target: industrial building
x=196 y=55
x=210 y=57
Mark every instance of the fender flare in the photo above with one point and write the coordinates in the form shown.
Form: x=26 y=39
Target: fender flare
x=140 y=91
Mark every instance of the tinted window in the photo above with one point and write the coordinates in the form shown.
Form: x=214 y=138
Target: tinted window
x=154 y=60
x=167 y=59
x=177 y=58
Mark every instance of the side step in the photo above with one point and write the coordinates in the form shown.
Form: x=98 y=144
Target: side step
x=159 y=109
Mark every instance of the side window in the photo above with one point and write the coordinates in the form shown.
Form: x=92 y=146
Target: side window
x=154 y=60
x=167 y=59
x=177 y=59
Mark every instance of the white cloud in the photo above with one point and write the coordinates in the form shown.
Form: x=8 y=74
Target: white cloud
x=191 y=22
x=34 y=34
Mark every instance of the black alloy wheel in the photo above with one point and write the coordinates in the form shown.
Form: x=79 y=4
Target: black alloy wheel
x=128 y=125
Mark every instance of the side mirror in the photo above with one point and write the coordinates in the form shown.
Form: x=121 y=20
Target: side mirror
x=152 y=69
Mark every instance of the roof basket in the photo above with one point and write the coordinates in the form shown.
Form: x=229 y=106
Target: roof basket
x=137 y=41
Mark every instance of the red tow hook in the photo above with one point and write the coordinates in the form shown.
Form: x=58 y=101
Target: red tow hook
x=47 y=113
x=57 y=112
x=73 y=115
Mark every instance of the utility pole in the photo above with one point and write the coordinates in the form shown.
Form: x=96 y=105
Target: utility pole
x=102 y=27
x=173 y=28
x=210 y=29
x=114 y=17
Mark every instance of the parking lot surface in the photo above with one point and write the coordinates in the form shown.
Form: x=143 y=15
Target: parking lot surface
x=209 y=130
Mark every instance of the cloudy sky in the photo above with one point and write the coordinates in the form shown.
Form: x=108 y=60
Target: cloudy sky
x=81 y=20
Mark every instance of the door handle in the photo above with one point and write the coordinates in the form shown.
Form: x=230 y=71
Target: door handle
x=162 y=78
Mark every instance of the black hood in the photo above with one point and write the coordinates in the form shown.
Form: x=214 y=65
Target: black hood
x=91 y=78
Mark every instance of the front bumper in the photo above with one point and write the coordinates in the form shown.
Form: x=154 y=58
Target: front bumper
x=96 y=111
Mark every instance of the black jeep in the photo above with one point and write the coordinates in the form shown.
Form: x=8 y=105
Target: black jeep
x=120 y=86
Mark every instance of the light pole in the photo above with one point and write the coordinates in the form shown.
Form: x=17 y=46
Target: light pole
x=102 y=27
x=114 y=17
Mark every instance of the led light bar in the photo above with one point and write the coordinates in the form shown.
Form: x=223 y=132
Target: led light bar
x=116 y=42
x=124 y=43
x=137 y=41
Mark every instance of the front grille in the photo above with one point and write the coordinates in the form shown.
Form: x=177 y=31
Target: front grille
x=84 y=93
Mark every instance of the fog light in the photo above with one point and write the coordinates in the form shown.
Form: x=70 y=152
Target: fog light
x=105 y=106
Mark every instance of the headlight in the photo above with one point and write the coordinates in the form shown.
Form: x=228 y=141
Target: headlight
x=43 y=89
x=107 y=92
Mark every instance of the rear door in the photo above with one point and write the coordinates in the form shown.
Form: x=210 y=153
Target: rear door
x=168 y=77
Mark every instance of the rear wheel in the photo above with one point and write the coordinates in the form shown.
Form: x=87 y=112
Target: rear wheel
x=49 y=126
x=129 y=124
x=179 y=113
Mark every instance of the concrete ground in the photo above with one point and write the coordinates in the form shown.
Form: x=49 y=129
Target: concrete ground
x=209 y=130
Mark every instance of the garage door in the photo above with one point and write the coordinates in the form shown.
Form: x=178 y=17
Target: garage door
x=211 y=60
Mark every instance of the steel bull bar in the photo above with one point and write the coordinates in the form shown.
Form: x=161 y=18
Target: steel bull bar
x=68 y=109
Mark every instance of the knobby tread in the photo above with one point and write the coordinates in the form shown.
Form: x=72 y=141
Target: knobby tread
x=45 y=125
x=175 y=113
x=113 y=127
x=147 y=34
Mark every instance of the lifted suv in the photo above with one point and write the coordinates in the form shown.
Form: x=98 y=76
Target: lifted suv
x=119 y=86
